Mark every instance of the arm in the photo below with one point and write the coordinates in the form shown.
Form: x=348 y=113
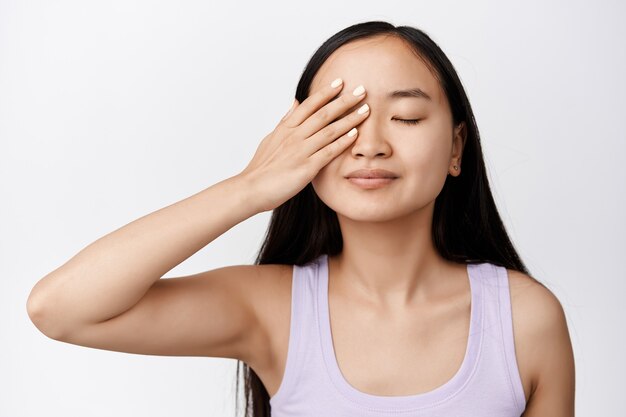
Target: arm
x=554 y=359
x=112 y=274
x=110 y=294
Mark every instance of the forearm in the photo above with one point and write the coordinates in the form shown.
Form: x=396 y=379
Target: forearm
x=111 y=275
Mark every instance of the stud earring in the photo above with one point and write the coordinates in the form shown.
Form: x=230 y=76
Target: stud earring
x=456 y=167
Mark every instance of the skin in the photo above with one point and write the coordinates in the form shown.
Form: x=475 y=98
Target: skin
x=389 y=228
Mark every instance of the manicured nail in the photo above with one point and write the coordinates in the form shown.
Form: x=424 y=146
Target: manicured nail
x=352 y=132
x=336 y=83
x=359 y=90
x=363 y=108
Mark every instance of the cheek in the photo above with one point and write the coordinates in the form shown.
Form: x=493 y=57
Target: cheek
x=324 y=178
x=431 y=147
x=329 y=185
x=424 y=156
x=426 y=165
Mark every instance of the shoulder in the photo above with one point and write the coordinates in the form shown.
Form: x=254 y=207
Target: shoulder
x=532 y=295
x=536 y=304
x=542 y=337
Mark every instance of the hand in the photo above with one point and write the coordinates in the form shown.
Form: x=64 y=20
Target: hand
x=302 y=143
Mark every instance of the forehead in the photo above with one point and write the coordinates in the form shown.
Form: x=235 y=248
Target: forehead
x=382 y=64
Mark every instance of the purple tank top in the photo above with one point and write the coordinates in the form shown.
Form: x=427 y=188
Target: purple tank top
x=487 y=384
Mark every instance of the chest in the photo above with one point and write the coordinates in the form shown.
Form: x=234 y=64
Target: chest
x=383 y=353
x=389 y=355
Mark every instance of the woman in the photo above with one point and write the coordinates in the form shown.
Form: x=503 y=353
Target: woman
x=386 y=283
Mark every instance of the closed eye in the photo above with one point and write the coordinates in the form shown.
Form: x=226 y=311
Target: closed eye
x=409 y=121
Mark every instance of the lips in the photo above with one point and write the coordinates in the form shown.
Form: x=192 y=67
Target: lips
x=372 y=173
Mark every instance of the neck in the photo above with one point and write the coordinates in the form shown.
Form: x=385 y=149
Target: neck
x=392 y=263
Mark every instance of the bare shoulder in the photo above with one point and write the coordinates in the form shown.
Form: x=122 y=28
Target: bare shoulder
x=542 y=341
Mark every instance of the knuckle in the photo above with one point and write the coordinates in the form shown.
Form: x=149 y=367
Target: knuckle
x=280 y=131
x=328 y=152
x=286 y=130
x=331 y=131
x=310 y=167
x=323 y=114
x=347 y=98
x=286 y=124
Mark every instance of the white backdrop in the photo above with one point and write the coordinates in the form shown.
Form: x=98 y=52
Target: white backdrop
x=112 y=110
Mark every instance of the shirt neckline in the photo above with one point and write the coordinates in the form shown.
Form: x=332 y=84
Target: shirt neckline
x=426 y=399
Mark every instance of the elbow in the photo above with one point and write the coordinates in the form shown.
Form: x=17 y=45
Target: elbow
x=40 y=316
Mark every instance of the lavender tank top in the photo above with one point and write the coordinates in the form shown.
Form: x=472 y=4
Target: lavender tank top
x=487 y=384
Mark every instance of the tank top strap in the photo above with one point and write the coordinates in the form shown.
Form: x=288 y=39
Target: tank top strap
x=302 y=327
x=499 y=324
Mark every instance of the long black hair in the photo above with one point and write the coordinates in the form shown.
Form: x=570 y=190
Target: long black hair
x=466 y=226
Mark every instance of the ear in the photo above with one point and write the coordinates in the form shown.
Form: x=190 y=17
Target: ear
x=458 y=144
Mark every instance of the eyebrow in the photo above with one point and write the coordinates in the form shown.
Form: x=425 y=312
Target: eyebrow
x=410 y=92
x=415 y=92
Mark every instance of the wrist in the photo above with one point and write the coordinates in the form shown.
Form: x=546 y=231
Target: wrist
x=246 y=187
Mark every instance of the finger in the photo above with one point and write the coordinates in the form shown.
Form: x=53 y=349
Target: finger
x=335 y=130
x=293 y=106
x=322 y=157
x=312 y=103
x=331 y=113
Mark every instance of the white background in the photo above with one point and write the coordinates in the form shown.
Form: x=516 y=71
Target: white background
x=111 y=110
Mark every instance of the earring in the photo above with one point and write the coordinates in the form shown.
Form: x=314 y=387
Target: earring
x=456 y=167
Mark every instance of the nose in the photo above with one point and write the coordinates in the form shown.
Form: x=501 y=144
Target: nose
x=371 y=141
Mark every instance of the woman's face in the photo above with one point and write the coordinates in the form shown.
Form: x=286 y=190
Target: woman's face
x=421 y=155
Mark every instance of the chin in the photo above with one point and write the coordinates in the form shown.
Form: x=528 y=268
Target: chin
x=362 y=208
x=368 y=217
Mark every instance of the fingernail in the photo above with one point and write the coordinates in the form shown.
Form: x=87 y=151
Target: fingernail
x=359 y=90
x=336 y=83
